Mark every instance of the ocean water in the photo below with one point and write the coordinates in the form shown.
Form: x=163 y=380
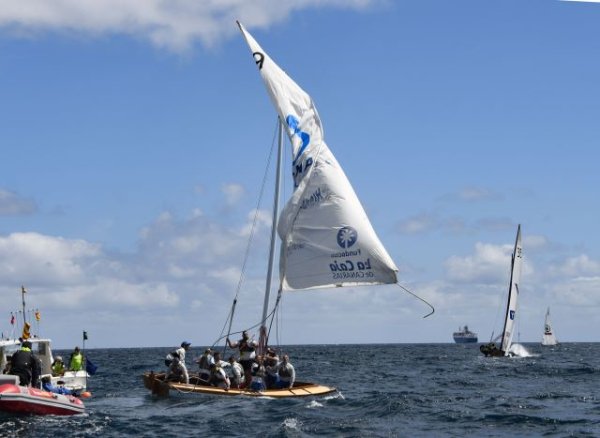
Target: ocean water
x=400 y=390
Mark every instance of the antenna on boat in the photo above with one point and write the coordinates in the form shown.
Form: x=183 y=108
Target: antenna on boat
x=23 y=292
x=419 y=298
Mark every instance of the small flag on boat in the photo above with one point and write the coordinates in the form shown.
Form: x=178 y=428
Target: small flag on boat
x=90 y=367
x=26 y=334
x=85 y=335
x=12 y=318
x=38 y=315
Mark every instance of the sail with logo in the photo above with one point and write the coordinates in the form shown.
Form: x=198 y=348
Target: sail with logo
x=511 y=304
x=326 y=237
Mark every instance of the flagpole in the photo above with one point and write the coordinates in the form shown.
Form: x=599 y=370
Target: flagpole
x=85 y=358
x=23 y=291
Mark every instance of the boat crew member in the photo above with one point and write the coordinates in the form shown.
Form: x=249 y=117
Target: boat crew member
x=258 y=375
x=185 y=346
x=247 y=348
x=204 y=363
x=177 y=370
x=287 y=374
x=26 y=365
x=236 y=373
x=76 y=360
x=57 y=389
x=218 y=377
x=271 y=368
x=58 y=367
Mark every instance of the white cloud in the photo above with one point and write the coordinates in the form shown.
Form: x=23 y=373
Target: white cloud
x=233 y=193
x=12 y=204
x=578 y=266
x=173 y=25
x=489 y=264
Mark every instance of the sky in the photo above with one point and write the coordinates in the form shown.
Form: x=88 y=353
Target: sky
x=135 y=137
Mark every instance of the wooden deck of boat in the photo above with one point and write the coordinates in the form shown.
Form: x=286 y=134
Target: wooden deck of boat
x=156 y=383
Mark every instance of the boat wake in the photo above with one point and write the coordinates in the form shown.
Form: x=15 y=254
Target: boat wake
x=517 y=350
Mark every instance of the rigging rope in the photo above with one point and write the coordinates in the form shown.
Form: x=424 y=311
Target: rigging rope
x=418 y=297
x=247 y=252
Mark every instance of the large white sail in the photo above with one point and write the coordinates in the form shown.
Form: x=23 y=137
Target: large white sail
x=327 y=238
x=513 y=294
x=549 y=338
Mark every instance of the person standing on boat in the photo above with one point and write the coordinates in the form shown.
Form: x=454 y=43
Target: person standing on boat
x=58 y=367
x=180 y=353
x=26 y=365
x=177 y=370
x=76 y=360
x=287 y=374
x=204 y=363
x=247 y=348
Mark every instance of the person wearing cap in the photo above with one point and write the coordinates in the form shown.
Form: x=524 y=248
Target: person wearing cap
x=58 y=367
x=177 y=370
x=25 y=365
x=177 y=358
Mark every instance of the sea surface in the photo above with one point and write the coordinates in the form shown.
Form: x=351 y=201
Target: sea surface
x=395 y=390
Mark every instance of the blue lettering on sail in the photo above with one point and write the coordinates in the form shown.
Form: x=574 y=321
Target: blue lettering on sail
x=315 y=198
x=346 y=237
x=293 y=123
x=512 y=314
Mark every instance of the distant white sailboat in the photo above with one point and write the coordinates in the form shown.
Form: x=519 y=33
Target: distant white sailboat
x=548 y=338
x=511 y=305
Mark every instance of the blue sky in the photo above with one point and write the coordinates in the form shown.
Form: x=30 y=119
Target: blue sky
x=134 y=138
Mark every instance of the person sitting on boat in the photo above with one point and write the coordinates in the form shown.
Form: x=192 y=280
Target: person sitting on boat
x=58 y=367
x=271 y=368
x=57 y=389
x=180 y=353
x=491 y=350
x=235 y=373
x=287 y=374
x=76 y=360
x=177 y=370
x=247 y=348
x=257 y=376
x=204 y=362
x=218 y=377
x=25 y=365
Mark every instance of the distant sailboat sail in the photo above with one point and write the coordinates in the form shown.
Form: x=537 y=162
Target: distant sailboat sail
x=549 y=338
x=327 y=238
x=513 y=294
x=511 y=304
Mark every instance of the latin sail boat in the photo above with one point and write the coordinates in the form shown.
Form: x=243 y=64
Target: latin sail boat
x=511 y=305
x=548 y=338
x=326 y=237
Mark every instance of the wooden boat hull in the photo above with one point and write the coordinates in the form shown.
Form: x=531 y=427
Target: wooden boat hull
x=157 y=384
x=26 y=400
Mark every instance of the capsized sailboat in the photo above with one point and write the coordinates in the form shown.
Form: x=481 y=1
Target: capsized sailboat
x=326 y=237
x=491 y=349
x=548 y=338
